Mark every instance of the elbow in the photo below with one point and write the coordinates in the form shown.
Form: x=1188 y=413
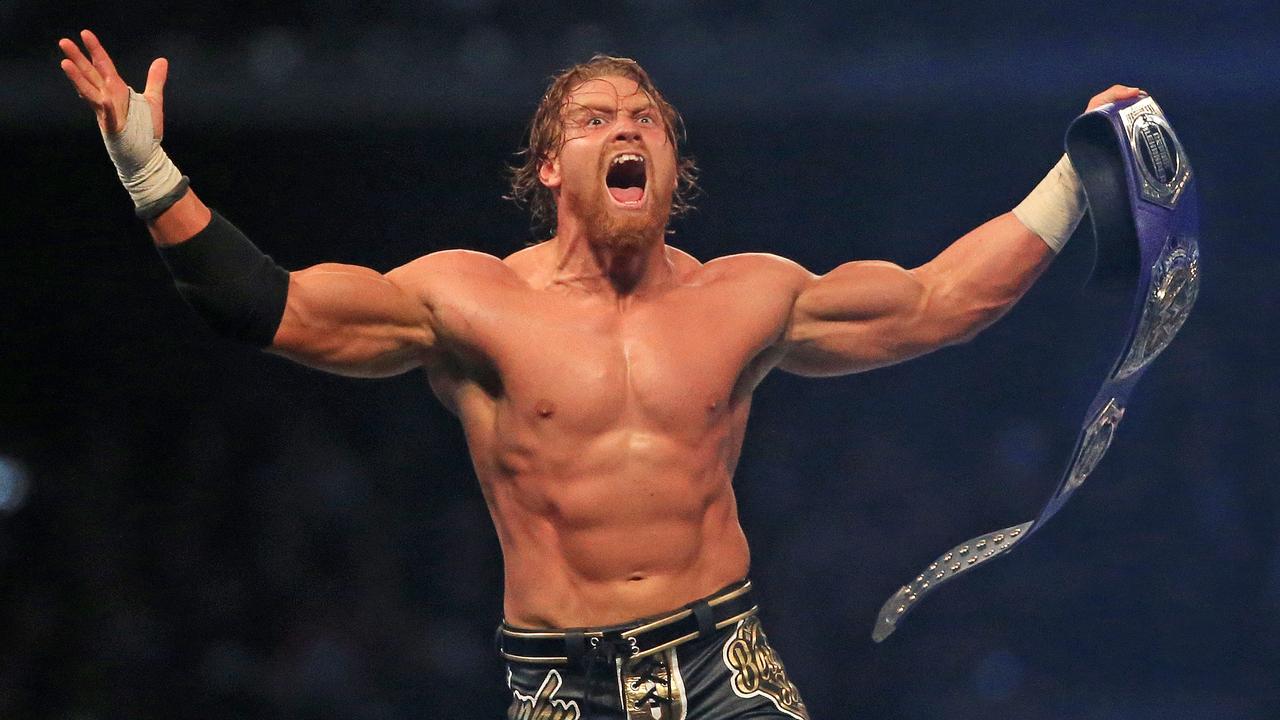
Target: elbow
x=977 y=319
x=966 y=334
x=965 y=315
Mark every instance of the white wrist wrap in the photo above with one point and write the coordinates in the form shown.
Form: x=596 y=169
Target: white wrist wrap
x=144 y=168
x=1055 y=207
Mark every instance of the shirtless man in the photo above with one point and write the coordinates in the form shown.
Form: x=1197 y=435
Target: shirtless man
x=602 y=377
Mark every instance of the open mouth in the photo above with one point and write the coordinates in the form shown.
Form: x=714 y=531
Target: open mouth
x=625 y=179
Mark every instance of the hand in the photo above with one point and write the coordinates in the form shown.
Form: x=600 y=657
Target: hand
x=1112 y=94
x=101 y=86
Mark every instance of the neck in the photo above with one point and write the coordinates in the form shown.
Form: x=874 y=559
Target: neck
x=598 y=265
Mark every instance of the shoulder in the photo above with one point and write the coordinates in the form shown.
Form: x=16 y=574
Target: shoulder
x=684 y=263
x=457 y=265
x=767 y=286
x=745 y=267
x=525 y=261
x=771 y=270
x=454 y=278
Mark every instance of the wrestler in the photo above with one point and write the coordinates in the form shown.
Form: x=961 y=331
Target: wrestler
x=603 y=378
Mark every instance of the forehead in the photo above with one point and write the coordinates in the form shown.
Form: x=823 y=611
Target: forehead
x=610 y=91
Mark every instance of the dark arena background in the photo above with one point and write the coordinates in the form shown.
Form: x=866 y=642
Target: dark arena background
x=192 y=529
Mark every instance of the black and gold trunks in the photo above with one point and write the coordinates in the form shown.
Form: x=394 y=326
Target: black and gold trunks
x=709 y=660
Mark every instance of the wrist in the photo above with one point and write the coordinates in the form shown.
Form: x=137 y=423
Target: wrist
x=152 y=180
x=1054 y=208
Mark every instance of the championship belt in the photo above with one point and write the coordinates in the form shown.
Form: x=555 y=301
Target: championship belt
x=1142 y=204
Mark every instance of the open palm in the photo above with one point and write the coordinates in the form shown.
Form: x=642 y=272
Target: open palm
x=96 y=80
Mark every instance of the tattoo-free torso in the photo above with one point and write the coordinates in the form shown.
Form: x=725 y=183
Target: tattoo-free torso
x=605 y=434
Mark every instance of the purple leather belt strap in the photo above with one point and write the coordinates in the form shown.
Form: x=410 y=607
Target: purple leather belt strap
x=1142 y=206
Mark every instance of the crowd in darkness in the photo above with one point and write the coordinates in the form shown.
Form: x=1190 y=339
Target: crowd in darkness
x=210 y=532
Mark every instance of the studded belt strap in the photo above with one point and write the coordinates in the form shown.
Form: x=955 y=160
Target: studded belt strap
x=1142 y=204
x=633 y=640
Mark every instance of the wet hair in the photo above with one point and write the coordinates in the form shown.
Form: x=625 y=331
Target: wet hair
x=546 y=136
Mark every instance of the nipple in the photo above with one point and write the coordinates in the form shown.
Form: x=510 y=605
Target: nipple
x=545 y=408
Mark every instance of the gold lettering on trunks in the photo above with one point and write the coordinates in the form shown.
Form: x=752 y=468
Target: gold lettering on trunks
x=542 y=705
x=757 y=670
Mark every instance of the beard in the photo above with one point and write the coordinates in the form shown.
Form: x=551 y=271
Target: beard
x=626 y=232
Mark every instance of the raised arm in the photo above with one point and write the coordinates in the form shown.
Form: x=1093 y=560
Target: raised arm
x=864 y=315
x=341 y=318
x=868 y=314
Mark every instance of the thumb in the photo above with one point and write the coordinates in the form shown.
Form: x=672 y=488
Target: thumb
x=154 y=93
x=156 y=76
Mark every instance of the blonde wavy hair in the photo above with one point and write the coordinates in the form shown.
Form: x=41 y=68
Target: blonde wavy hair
x=546 y=135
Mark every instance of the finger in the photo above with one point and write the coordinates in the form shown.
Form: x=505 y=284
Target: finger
x=73 y=53
x=84 y=88
x=157 y=74
x=101 y=59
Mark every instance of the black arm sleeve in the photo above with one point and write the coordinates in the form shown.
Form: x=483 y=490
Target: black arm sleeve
x=237 y=289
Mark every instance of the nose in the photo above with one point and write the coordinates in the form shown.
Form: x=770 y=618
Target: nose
x=627 y=129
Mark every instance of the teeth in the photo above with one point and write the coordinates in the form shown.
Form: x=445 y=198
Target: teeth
x=627 y=157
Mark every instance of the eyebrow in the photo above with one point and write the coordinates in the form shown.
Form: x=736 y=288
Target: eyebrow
x=594 y=104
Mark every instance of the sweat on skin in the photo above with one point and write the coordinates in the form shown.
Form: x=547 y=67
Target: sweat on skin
x=604 y=378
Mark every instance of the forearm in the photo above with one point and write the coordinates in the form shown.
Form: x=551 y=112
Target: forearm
x=340 y=318
x=984 y=273
x=979 y=277
x=868 y=314
x=180 y=222
x=239 y=291
x=236 y=288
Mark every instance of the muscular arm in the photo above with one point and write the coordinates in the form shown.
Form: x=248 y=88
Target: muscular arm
x=864 y=315
x=340 y=318
x=869 y=314
x=354 y=321
x=344 y=319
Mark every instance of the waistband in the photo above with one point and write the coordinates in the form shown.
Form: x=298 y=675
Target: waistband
x=635 y=639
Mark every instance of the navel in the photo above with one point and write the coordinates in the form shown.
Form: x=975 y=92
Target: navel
x=545 y=408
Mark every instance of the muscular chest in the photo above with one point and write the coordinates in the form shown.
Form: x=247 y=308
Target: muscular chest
x=674 y=363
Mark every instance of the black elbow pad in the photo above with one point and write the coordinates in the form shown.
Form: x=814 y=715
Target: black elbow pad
x=236 y=288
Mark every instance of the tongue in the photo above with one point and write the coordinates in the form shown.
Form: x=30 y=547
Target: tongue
x=623 y=195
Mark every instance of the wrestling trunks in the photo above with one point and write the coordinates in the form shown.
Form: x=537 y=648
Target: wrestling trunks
x=708 y=660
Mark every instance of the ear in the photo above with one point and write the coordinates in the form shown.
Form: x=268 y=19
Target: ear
x=549 y=173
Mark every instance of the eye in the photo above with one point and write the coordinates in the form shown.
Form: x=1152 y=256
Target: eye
x=596 y=121
x=644 y=120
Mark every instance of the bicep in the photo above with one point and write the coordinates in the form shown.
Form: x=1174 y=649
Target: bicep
x=861 y=315
x=354 y=321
